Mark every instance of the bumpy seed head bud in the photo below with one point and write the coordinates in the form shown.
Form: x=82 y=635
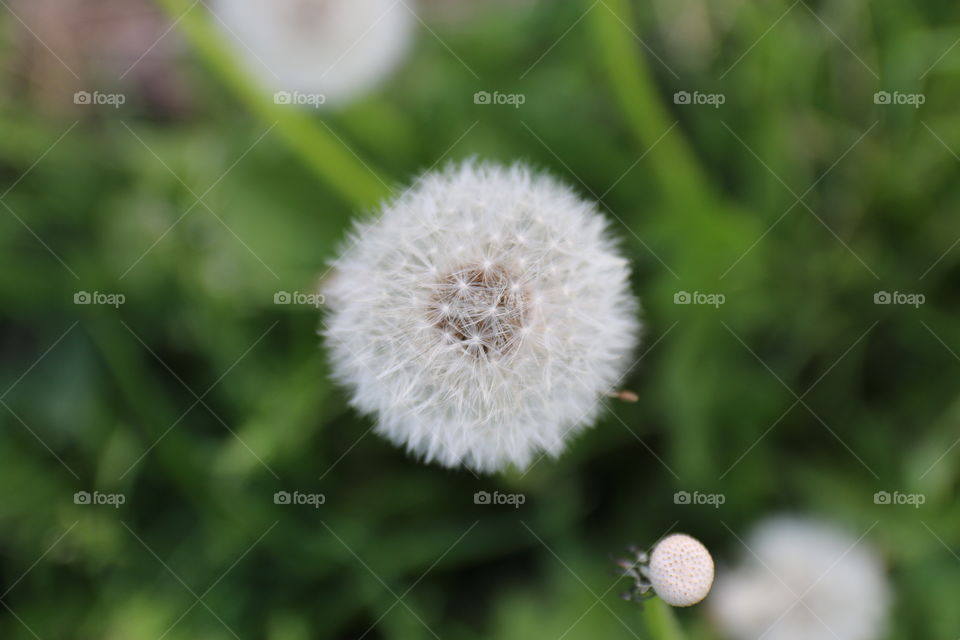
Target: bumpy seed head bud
x=681 y=570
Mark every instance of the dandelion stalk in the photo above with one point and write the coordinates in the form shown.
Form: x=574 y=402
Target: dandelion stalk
x=659 y=622
x=676 y=168
x=317 y=146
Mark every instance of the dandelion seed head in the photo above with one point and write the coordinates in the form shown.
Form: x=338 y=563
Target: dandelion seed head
x=522 y=340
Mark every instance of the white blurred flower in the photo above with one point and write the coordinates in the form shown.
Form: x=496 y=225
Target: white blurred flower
x=333 y=48
x=803 y=580
x=482 y=317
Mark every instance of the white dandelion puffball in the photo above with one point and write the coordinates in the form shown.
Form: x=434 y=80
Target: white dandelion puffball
x=803 y=580
x=482 y=317
x=335 y=48
x=680 y=570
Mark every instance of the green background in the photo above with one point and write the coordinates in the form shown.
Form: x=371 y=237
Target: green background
x=798 y=199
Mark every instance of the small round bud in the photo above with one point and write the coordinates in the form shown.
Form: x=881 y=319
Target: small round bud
x=681 y=570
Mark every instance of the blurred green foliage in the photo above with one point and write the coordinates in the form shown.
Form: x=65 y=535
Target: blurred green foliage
x=798 y=199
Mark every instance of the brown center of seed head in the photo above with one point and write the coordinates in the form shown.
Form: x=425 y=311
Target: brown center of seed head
x=483 y=307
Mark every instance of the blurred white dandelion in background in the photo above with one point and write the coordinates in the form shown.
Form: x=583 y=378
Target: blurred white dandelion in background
x=335 y=49
x=482 y=317
x=803 y=580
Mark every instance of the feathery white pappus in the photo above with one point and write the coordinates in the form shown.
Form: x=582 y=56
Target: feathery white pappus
x=482 y=316
x=334 y=48
x=680 y=570
x=803 y=579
